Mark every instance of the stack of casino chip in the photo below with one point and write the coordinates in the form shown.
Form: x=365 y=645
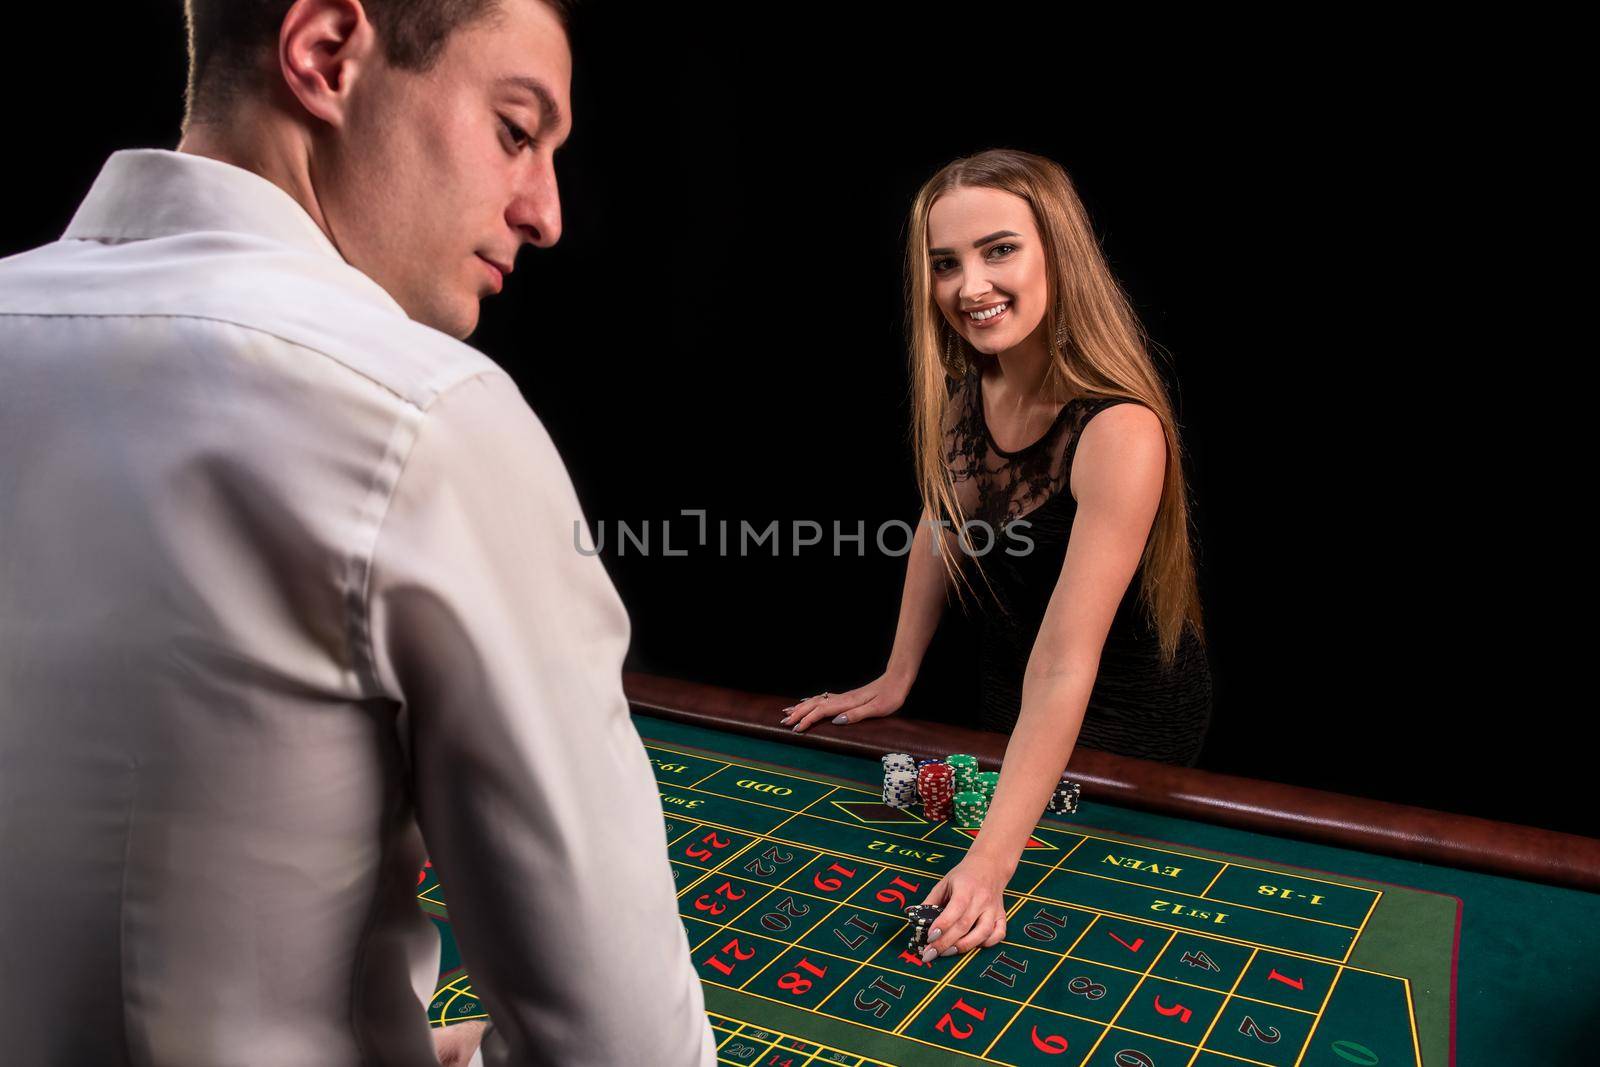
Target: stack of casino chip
x=1064 y=801
x=987 y=781
x=922 y=917
x=936 y=787
x=970 y=807
x=899 y=780
x=966 y=771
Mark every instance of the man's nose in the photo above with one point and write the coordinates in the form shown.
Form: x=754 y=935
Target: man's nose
x=535 y=212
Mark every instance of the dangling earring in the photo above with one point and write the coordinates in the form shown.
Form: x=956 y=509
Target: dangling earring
x=1061 y=330
x=952 y=358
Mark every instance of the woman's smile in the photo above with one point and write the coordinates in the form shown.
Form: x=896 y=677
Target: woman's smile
x=989 y=315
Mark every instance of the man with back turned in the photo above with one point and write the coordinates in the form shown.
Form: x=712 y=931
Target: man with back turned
x=287 y=585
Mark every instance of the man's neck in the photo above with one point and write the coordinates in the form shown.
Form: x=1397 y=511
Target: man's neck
x=263 y=145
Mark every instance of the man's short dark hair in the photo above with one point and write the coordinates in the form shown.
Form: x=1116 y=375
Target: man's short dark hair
x=227 y=37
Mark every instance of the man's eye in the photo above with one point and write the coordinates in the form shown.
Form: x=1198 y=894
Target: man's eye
x=519 y=136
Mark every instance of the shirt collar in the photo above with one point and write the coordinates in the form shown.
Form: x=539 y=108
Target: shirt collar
x=146 y=192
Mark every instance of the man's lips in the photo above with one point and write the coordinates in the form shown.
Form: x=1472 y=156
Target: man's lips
x=498 y=271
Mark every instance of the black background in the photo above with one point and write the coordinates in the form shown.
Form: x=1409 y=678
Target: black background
x=1336 y=240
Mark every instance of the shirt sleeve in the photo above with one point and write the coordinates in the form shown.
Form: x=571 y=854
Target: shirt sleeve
x=504 y=644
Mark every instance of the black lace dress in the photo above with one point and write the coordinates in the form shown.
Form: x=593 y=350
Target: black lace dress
x=1139 y=706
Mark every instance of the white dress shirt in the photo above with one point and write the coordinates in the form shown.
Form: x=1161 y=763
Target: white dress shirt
x=285 y=576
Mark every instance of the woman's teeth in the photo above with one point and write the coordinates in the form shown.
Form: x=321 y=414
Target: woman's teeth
x=989 y=313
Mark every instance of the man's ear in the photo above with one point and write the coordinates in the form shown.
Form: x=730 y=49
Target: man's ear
x=323 y=46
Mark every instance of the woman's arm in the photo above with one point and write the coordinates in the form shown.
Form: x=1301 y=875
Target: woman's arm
x=921 y=604
x=1117 y=479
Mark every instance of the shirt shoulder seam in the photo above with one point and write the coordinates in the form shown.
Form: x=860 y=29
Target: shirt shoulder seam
x=430 y=387
x=380 y=499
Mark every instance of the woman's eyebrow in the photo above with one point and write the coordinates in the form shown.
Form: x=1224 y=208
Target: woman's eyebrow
x=979 y=243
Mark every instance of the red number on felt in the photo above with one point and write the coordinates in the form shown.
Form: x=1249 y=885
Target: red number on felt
x=793 y=983
x=704 y=902
x=891 y=895
x=947 y=1023
x=732 y=948
x=705 y=853
x=1054 y=1045
x=1138 y=942
x=831 y=885
x=1297 y=983
x=1183 y=1013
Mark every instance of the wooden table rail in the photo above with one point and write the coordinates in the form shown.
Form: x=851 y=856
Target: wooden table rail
x=1378 y=826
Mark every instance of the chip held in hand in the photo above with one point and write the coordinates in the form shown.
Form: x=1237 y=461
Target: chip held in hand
x=922 y=917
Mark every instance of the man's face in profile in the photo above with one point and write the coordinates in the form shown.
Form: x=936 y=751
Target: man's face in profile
x=438 y=178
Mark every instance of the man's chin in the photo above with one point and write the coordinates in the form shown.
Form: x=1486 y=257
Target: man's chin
x=466 y=328
x=458 y=320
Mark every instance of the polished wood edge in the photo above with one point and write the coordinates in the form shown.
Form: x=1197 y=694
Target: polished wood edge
x=1377 y=826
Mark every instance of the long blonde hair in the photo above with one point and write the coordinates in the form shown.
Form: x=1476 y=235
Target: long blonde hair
x=1105 y=354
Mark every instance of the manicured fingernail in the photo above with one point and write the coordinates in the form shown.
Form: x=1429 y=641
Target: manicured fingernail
x=928 y=954
x=933 y=935
x=840 y=720
x=951 y=951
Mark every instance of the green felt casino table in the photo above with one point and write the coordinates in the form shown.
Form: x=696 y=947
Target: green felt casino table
x=1134 y=938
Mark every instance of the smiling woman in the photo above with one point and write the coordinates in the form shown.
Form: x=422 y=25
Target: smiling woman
x=1068 y=526
x=1039 y=417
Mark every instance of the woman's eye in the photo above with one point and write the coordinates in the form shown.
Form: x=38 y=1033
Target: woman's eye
x=998 y=249
x=941 y=265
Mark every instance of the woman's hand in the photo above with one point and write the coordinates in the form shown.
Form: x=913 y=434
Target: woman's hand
x=882 y=696
x=974 y=912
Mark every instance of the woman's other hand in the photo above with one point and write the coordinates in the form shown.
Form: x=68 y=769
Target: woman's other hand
x=882 y=696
